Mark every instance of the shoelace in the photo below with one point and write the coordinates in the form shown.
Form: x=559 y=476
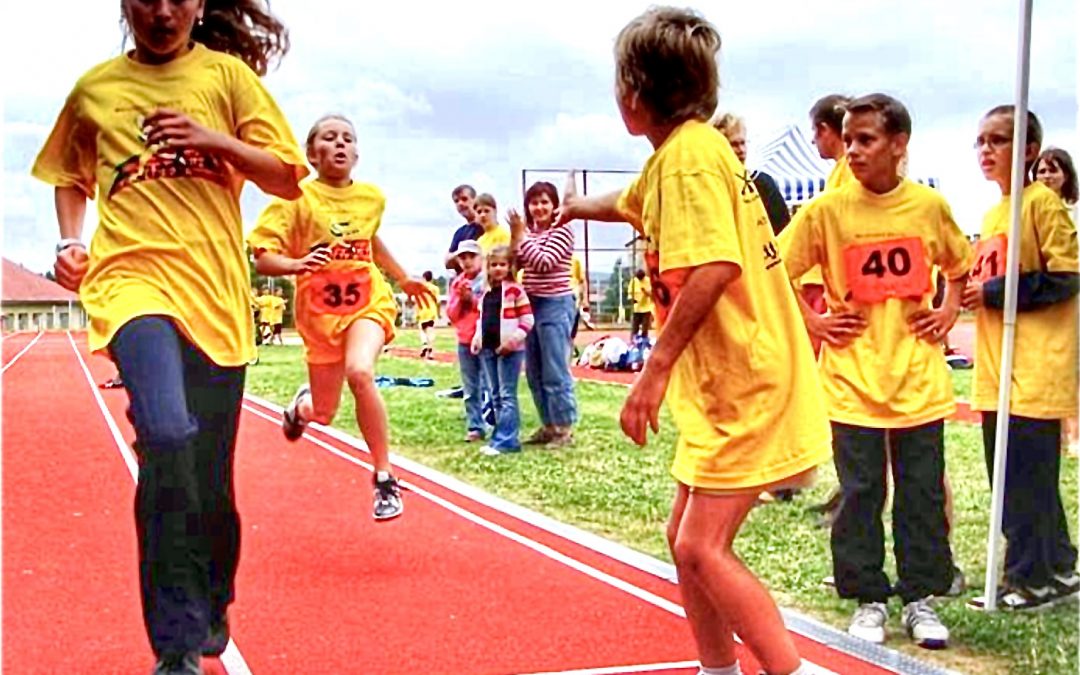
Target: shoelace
x=868 y=616
x=923 y=612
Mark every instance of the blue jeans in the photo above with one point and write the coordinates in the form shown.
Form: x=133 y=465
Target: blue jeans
x=473 y=383
x=186 y=412
x=547 y=360
x=502 y=372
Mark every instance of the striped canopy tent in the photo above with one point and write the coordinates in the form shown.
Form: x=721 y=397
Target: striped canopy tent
x=794 y=164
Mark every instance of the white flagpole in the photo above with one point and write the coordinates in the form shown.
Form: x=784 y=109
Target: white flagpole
x=1012 y=273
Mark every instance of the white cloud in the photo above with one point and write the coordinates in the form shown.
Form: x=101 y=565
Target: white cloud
x=478 y=90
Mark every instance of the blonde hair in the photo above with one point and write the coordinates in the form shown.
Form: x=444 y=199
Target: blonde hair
x=318 y=123
x=727 y=122
x=667 y=57
x=485 y=199
x=502 y=252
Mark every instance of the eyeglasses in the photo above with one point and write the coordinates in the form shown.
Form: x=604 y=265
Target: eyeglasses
x=993 y=141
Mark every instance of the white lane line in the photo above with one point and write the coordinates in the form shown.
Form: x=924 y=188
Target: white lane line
x=547 y=551
x=618 y=670
x=23 y=351
x=231 y=659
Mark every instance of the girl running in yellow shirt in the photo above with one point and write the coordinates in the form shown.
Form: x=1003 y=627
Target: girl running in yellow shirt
x=164 y=137
x=344 y=308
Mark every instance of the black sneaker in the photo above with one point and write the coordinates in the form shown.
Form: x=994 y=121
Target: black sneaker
x=291 y=423
x=178 y=664
x=388 y=502
x=1066 y=586
x=217 y=638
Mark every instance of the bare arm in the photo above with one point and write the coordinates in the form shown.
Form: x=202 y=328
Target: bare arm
x=698 y=296
x=599 y=207
x=70 y=211
x=387 y=263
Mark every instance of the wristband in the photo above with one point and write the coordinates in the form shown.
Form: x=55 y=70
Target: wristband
x=67 y=243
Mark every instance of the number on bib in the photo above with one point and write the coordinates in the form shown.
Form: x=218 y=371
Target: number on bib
x=990 y=257
x=895 y=268
x=340 y=292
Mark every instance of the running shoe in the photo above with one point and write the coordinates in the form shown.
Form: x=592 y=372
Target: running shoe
x=388 y=502
x=292 y=424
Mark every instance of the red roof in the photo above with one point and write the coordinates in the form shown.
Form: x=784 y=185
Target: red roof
x=22 y=285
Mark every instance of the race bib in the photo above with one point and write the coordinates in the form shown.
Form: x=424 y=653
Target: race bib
x=895 y=268
x=340 y=292
x=990 y=258
x=665 y=287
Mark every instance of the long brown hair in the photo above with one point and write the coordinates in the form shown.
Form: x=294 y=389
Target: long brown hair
x=242 y=28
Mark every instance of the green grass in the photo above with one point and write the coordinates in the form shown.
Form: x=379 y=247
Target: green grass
x=607 y=485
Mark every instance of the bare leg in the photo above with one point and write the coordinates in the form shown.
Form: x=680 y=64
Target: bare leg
x=364 y=342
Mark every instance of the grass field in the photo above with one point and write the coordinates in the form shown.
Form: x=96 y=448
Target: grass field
x=607 y=485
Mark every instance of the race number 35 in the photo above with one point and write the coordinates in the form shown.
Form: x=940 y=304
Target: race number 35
x=341 y=293
x=896 y=268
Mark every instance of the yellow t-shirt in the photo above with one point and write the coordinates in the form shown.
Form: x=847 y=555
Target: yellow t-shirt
x=265 y=311
x=1044 y=378
x=577 y=277
x=169 y=239
x=877 y=252
x=839 y=176
x=745 y=393
x=640 y=293
x=497 y=236
x=428 y=311
x=347 y=288
x=276 y=306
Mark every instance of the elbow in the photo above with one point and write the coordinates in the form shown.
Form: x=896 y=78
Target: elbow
x=289 y=190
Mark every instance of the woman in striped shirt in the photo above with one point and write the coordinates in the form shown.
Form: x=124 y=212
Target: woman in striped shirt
x=544 y=252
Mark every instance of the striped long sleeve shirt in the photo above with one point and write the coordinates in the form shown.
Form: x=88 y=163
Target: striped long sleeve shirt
x=545 y=257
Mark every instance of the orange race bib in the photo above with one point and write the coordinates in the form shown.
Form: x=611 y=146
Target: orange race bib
x=895 y=268
x=990 y=258
x=665 y=287
x=340 y=292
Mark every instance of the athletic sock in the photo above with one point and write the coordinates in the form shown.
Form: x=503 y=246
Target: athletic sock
x=382 y=476
x=733 y=669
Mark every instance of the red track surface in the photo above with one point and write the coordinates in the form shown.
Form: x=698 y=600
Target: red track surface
x=322 y=588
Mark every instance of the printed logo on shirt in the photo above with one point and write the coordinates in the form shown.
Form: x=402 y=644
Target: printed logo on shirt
x=162 y=161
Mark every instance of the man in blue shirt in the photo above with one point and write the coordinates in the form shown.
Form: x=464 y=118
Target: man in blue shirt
x=464 y=196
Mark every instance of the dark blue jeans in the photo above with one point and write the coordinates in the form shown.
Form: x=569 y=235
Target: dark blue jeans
x=472 y=382
x=547 y=360
x=502 y=372
x=185 y=410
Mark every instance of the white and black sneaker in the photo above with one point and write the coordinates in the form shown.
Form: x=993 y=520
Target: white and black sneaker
x=868 y=623
x=388 y=502
x=292 y=424
x=923 y=625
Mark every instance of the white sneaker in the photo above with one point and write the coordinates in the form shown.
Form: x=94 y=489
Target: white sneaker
x=869 y=622
x=924 y=626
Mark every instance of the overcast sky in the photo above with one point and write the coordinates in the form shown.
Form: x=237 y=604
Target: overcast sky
x=476 y=91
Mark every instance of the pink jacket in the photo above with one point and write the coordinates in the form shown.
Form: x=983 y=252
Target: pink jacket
x=516 y=320
x=463 y=315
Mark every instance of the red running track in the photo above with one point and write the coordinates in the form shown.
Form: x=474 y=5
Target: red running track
x=453 y=586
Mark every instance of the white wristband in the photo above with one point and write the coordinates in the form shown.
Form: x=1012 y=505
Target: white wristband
x=64 y=244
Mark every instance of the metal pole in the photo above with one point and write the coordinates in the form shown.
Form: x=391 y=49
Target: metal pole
x=585 y=228
x=1012 y=273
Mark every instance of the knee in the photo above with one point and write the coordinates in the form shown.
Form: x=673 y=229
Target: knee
x=360 y=377
x=169 y=436
x=692 y=555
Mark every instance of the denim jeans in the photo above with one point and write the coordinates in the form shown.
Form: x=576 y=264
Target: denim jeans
x=547 y=360
x=473 y=383
x=502 y=372
x=186 y=411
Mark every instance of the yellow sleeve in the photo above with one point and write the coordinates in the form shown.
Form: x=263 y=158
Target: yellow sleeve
x=260 y=123
x=801 y=243
x=631 y=202
x=69 y=156
x=697 y=221
x=955 y=255
x=276 y=229
x=1056 y=234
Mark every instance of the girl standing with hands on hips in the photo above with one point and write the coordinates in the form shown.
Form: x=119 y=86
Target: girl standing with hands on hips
x=164 y=137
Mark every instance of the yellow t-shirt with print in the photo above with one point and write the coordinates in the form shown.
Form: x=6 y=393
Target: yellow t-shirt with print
x=350 y=286
x=169 y=239
x=877 y=252
x=839 y=176
x=640 y=292
x=428 y=310
x=496 y=236
x=265 y=311
x=1044 y=378
x=745 y=393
